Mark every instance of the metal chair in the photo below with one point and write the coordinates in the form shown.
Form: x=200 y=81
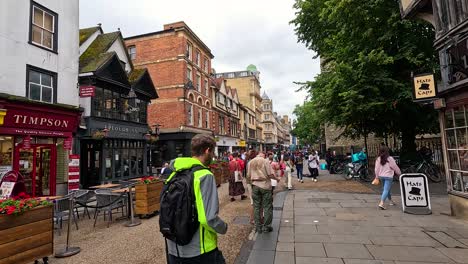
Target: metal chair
x=107 y=201
x=83 y=197
x=61 y=209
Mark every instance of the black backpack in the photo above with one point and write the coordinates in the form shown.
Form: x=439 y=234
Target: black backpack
x=178 y=218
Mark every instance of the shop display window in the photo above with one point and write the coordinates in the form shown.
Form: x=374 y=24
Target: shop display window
x=456 y=131
x=6 y=155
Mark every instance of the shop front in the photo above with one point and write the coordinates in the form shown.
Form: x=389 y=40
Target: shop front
x=226 y=144
x=111 y=151
x=454 y=120
x=35 y=140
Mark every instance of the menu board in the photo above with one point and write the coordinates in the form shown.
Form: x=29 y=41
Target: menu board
x=6 y=189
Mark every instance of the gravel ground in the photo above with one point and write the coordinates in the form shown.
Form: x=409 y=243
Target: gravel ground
x=144 y=244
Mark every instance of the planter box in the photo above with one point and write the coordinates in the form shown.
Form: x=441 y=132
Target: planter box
x=218 y=174
x=147 y=197
x=28 y=236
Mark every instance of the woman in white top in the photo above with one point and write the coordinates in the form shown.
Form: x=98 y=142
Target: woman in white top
x=288 y=171
x=313 y=164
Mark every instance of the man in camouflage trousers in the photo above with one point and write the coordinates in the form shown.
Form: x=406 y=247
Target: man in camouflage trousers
x=259 y=172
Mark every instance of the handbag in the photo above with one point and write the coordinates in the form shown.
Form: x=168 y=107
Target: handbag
x=376 y=181
x=238 y=174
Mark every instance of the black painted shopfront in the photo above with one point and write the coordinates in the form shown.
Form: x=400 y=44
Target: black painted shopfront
x=118 y=153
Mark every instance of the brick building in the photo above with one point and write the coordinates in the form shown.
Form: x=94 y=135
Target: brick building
x=180 y=65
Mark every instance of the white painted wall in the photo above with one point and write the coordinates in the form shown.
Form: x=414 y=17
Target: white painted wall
x=16 y=52
x=119 y=48
x=88 y=42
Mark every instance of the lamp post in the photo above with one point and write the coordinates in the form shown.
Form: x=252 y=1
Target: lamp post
x=154 y=132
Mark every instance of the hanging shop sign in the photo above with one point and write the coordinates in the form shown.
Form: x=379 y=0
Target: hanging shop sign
x=74 y=172
x=424 y=87
x=27 y=142
x=242 y=143
x=67 y=143
x=87 y=90
x=415 y=194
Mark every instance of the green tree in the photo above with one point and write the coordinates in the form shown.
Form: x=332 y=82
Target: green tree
x=368 y=55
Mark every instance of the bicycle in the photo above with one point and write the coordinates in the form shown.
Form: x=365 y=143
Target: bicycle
x=424 y=166
x=358 y=170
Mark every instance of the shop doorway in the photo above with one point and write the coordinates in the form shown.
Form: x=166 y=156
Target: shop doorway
x=38 y=167
x=90 y=162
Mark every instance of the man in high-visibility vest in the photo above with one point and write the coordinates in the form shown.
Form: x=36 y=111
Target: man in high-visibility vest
x=203 y=247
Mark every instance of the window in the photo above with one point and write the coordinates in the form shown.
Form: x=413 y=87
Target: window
x=42 y=85
x=229 y=104
x=197 y=59
x=43 y=27
x=189 y=74
x=234 y=107
x=456 y=130
x=207 y=119
x=221 y=98
x=205 y=65
x=188 y=52
x=190 y=115
x=132 y=52
x=207 y=89
x=200 y=117
x=267 y=117
x=221 y=125
x=198 y=82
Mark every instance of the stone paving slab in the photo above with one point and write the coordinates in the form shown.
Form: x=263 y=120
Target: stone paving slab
x=405 y=253
x=261 y=257
x=350 y=239
x=314 y=260
x=404 y=241
x=340 y=250
x=305 y=229
x=312 y=238
x=368 y=261
x=446 y=240
x=309 y=250
x=285 y=246
x=457 y=254
x=284 y=258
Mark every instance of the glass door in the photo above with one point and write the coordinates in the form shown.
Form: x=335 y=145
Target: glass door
x=37 y=165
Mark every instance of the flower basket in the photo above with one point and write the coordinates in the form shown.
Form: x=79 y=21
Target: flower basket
x=225 y=172
x=27 y=236
x=147 y=197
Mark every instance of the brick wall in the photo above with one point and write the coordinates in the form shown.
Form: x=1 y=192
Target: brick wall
x=163 y=54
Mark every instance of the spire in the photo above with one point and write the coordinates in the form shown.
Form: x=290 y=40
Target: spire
x=265 y=96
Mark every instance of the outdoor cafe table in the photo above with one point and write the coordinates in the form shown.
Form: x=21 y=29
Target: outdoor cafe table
x=133 y=221
x=105 y=186
x=44 y=198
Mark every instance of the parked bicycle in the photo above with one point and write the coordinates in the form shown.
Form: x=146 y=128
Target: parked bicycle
x=424 y=165
x=358 y=168
x=338 y=165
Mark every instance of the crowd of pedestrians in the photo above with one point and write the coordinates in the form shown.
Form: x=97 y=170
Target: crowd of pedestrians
x=257 y=174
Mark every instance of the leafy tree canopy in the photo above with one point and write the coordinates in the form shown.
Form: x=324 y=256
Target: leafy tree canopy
x=368 y=54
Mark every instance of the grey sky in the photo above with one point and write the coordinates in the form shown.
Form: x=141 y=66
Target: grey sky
x=237 y=32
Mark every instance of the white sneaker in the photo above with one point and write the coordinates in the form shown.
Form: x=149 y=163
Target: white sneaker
x=315 y=180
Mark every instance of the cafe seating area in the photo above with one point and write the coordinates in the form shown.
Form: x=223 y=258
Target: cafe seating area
x=103 y=201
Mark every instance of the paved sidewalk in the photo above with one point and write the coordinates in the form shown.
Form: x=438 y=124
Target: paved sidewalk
x=346 y=228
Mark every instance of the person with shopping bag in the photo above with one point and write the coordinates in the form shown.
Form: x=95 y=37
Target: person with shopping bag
x=385 y=168
x=236 y=185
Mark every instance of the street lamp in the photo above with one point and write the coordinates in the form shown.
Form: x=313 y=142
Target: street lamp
x=154 y=134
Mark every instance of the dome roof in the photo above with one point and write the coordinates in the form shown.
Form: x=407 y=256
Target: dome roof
x=252 y=68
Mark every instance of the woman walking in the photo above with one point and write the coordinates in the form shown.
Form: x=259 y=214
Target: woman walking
x=288 y=172
x=236 y=188
x=385 y=168
x=313 y=163
x=299 y=161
